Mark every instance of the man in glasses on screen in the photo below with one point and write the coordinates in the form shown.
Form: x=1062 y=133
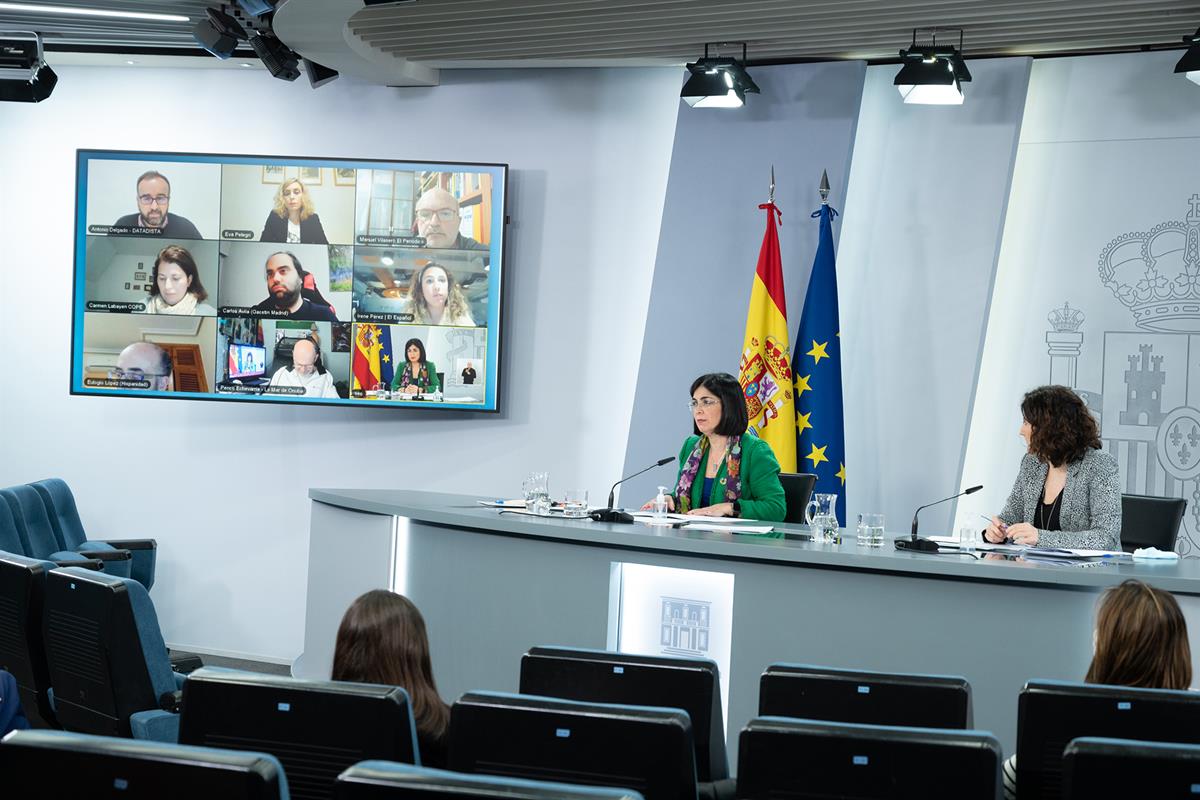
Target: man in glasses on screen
x=144 y=365
x=438 y=219
x=153 y=202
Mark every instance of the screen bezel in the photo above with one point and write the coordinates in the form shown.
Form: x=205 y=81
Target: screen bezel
x=495 y=338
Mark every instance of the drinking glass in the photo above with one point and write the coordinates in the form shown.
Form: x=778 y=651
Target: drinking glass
x=536 y=489
x=575 y=503
x=968 y=531
x=870 y=530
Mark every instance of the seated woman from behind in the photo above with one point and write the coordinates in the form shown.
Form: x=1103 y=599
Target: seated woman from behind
x=382 y=640
x=1140 y=640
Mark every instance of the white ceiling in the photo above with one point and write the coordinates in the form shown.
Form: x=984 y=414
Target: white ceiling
x=407 y=43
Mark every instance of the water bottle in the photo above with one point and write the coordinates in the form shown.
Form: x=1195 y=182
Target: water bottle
x=660 y=503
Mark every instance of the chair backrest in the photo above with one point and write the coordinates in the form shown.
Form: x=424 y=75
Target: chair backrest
x=105 y=650
x=1095 y=767
x=62 y=512
x=873 y=698
x=315 y=728
x=1148 y=521
x=22 y=652
x=1052 y=713
x=60 y=764
x=10 y=534
x=797 y=490
x=33 y=523
x=602 y=676
x=646 y=749
x=808 y=759
x=378 y=780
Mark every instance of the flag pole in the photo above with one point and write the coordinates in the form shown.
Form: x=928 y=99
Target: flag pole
x=823 y=188
x=771 y=193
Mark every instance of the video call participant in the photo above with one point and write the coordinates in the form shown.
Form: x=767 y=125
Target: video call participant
x=434 y=298
x=145 y=361
x=305 y=373
x=153 y=202
x=438 y=217
x=468 y=374
x=293 y=220
x=419 y=375
x=176 y=286
x=725 y=470
x=293 y=290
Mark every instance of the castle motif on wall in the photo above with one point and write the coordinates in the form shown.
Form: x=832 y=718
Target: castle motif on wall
x=1143 y=389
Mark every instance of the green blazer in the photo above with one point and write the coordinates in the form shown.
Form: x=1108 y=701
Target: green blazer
x=430 y=386
x=762 y=493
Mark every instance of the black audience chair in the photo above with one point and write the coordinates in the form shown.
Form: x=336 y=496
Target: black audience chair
x=381 y=780
x=1052 y=713
x=56 y=764
x=22 y=593
x=813 y=760
x=1148 y=521
x=108 y=664
x=873 y=698
x=1119 y=768
x=797 y=491
x=315 y=728
x=602 y=676
x=645 y=749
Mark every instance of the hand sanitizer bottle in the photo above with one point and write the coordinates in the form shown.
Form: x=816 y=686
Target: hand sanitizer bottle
x=660 y=502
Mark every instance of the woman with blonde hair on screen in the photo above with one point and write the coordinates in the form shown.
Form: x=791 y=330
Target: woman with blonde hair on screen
x=435 y=298
x=293 y=219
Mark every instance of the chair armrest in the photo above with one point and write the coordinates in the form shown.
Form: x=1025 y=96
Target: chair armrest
x=107 y=555
x=155 y=726
x=133 y=544
x=171 y=701
x=87 y=563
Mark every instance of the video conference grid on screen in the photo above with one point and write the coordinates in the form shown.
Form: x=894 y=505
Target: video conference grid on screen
x=240 y=276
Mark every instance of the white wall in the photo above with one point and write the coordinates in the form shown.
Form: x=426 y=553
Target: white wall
x=920 y=232
x=223 y=486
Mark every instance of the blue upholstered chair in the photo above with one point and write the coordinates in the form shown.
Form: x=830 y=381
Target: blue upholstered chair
x=108 y=663
x=60 y=764
x=40 y=541
x=369 y=780
x=64 y=519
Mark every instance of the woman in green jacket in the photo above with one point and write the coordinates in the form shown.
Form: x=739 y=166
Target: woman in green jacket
x=419 y=375
x=725 y=470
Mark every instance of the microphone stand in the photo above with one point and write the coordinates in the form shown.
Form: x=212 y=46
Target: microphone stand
x=921 y=545
x=611 y=514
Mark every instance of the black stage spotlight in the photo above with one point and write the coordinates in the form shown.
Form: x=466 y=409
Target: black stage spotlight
x=1189 y=65
x=932 y=75
x=318 y=74
x=25 y=77
x=279 y=59
x=718 y=82
x=219 y=33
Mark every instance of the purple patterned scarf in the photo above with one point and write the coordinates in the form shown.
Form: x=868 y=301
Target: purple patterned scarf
x=687 y=477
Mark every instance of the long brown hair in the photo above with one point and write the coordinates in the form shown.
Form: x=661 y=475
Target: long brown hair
x=1141 y=639
x=1063 y=428
x=382 y=640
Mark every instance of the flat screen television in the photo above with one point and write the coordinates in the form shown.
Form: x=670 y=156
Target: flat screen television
x=291 y=280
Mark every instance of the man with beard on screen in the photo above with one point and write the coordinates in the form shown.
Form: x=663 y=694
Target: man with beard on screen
x=287 y=292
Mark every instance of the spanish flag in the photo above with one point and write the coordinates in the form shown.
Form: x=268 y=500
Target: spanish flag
x=766 y=371
x=372 y=356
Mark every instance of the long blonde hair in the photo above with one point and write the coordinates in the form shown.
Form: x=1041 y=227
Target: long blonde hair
x=456 y=303
x=306 y=204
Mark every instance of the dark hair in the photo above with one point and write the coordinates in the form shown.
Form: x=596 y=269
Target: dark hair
x=734 y=418
x=1063 y=428
x=420 y=347
x=151 y=173
x=295 y=261
x=1141 y=639
x=174 y=254
x=382 y=640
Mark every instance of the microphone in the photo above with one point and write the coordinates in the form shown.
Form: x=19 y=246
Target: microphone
x=611 y=514
x=928 y=545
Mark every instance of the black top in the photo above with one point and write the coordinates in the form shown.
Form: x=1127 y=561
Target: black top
x=432 y=749
x=307 y=310
x=1046 y=515
x=468 y=375
x=177 y=227
x=311 y=230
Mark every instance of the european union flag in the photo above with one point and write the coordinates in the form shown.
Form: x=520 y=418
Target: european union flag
x=817 y=371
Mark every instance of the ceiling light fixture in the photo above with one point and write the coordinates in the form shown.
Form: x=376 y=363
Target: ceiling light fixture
x=932 y=74
x=718 y=82
x=37 y=8
x=1189 y=65
x=25 y=77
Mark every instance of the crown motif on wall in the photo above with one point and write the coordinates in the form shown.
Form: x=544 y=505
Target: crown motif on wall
x=1066 y=319
x=1156 y=274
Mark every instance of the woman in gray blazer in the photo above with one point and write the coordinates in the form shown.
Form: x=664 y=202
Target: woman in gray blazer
x=1068 y=490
